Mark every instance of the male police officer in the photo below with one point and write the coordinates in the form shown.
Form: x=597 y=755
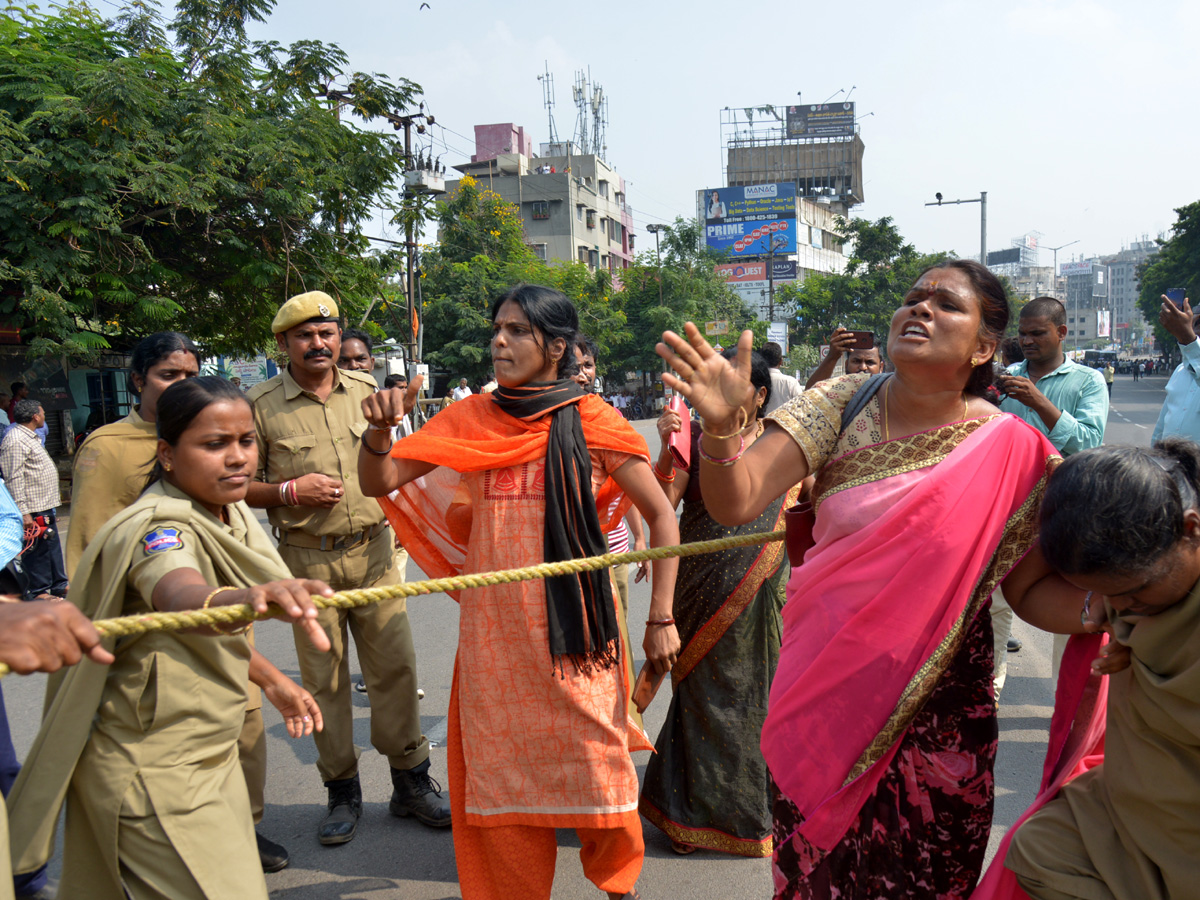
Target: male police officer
x=309 y=423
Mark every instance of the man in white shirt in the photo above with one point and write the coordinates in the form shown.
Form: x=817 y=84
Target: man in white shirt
x=1180 y=413
x=783 y=387
x=461 y=391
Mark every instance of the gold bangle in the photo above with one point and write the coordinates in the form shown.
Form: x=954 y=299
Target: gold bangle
x=236 y=629
x=731 y=435
x=209 y=598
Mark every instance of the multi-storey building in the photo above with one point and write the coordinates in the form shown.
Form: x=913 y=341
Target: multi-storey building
x=572 y=205
x=1128 y=321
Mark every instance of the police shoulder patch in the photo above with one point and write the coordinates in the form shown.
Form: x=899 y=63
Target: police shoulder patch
x=162 y=539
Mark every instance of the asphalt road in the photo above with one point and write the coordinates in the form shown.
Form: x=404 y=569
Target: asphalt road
x=399 y=859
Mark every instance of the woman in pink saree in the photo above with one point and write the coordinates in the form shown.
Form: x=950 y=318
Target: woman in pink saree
x=881 y=730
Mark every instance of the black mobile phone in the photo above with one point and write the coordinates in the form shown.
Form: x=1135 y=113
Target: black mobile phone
x=1177 y=296
x=863 y=340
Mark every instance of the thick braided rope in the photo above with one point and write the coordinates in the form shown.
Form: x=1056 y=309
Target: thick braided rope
x=125 y=626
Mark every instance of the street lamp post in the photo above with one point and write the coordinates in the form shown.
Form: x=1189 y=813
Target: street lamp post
x=982 y=201
x=1054 y=275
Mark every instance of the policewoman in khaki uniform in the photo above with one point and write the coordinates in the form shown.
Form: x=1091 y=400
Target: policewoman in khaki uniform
x=310 y=424
x=145 y=753
x=110 y=471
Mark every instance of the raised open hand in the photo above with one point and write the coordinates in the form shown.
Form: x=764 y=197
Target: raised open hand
x=716 y=389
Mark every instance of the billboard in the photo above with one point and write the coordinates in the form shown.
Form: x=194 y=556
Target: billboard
x=754 y=274
x=817 y=120
x=778 y=332
x=1004 y=257
x=750 y=219
x=1075 y=268
x=1104 y=323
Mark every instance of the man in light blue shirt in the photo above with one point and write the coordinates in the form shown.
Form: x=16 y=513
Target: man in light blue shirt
x=1063 y=400
x=1180 y=413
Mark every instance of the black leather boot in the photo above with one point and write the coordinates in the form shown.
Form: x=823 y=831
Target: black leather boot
x=416 y=794
x=345 y=806
x=273 y=856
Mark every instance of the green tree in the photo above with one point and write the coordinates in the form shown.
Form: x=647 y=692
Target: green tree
x=881 y=268
x=191 y=184
x=1177 y=265
x=691 y=292
x=481 y=253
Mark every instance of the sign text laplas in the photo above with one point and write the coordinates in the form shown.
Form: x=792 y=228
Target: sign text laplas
x=749 y=220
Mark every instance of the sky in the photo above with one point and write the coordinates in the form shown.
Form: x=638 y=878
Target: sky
x=1078 y=117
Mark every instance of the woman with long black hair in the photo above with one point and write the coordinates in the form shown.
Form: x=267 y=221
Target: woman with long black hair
x=539 y=732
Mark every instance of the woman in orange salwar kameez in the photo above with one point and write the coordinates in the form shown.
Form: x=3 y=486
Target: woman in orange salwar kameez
x=539 y=735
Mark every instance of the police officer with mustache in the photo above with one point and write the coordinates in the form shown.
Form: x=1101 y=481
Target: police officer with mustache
x=310 y=424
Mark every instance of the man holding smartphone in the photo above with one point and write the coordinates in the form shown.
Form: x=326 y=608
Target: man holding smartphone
x=1180 y=413
x=862 y=355
x=1063 y=400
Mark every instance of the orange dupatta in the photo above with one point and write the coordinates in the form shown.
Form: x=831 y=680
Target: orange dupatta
x=432 y=515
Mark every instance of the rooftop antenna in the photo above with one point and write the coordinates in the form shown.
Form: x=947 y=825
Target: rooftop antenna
x=599 y=104
x=547 y=81
x=579 y=94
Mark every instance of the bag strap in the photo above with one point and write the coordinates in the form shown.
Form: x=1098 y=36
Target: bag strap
x=861 y=398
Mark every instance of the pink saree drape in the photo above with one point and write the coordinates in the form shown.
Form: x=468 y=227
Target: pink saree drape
x=912 y=535
x=1076 y=744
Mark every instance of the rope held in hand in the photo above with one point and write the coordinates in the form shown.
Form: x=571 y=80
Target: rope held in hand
x=125 y=626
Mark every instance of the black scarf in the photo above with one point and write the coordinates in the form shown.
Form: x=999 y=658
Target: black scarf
x=579 y=608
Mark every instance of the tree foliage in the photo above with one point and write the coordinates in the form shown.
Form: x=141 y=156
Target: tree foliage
x=691 y=292
x=1177 y=265
x=481 y=253
x=881 y=269
x=193 y=183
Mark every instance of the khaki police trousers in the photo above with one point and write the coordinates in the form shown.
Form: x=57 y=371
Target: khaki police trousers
x=385 y=654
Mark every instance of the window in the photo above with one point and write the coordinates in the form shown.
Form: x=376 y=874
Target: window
x=539 y=251
x=593 y=259
x=591 y=218
x=579 y=212
x=583 y=254
x=540 y=209
x=603 y=188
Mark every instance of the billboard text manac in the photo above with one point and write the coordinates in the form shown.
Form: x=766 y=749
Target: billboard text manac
x=750 y=220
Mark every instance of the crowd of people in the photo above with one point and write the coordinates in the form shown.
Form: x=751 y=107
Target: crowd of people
x=834 y=709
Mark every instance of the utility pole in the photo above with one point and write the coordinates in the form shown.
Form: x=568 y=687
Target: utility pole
x=416 y=321
x=420 y=119
x=654 y=229
x=774 y=242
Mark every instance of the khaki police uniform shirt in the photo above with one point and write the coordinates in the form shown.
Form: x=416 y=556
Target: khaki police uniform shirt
x=299 y=434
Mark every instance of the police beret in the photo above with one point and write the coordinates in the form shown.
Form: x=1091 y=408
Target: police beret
x=304 y=308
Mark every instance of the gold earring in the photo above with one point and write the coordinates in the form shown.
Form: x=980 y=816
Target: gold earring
x=974 y=363
x=166 y=468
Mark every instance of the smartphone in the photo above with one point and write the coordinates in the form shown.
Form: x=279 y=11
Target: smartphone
x=1177 y=296
x=863 y=340
x=680 y=442
x=646 y=686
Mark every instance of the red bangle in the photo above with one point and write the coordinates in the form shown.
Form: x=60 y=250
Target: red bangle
x=660 y=621
x=666 y=479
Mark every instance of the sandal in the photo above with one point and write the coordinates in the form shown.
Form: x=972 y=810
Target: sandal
x=682 y=849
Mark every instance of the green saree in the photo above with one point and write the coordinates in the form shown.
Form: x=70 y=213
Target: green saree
x=707 y=784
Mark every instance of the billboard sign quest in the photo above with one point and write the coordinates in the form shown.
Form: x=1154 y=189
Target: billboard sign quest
x=751 y=219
